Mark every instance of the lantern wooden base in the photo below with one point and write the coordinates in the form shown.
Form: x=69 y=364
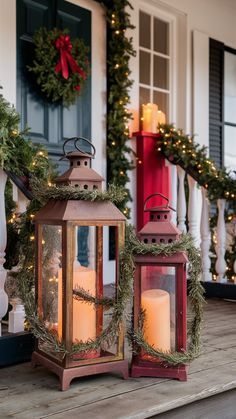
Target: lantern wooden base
x=150 y=369
x=66 y=375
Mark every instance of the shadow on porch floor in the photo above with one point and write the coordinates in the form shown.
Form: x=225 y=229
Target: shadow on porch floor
x=26 y=393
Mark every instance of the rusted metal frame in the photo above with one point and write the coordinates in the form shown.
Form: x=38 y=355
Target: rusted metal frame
x=68 y=246
x=38 y=268
x=68 y=251
x=181 y=308
x=137 y=300
x=119 y=243
x=99 y=278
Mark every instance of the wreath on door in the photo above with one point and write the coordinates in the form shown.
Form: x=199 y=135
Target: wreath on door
x=60 y=64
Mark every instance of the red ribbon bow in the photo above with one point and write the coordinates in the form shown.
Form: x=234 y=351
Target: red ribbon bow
x=63 y=44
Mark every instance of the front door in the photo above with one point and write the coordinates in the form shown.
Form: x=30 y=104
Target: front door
x=50 y=124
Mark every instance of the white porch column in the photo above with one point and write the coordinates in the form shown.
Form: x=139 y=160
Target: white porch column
x=3 y=242
x=205 y=237
x=220 y=244
x=193 y=207
x=181 y=202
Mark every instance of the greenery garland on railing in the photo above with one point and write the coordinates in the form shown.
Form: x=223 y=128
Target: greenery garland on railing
x=17 y=154
x=196 y=299
x=182 y=149
x=119 y=51
x=20 y=158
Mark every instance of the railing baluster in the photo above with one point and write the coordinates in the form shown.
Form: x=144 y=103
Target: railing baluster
x=181 y=206
x=193 y=206
x=22 y=202
x=205 y=237
x=3 y=242
x=17 y=314
x=220 y=244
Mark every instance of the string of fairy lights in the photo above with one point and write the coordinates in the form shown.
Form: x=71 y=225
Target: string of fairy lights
x=119 y=51
x=182 y=149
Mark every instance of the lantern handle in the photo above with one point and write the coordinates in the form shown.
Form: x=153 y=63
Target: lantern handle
x=156 y=194
x=75 y=140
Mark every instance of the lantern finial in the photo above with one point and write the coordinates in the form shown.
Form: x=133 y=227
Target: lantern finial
x=80 y=173
x=159 y=229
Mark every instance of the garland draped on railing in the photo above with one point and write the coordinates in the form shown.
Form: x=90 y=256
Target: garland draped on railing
x=181 y=149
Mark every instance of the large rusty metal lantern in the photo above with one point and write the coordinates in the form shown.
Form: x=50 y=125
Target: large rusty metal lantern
x=160 y=291
x=72 y=243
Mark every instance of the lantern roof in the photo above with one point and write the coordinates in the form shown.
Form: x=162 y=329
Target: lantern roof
x=77 y=210
x=160 y=227
x=79 y=173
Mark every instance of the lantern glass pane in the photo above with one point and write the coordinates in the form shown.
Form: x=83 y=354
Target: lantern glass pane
x=84 y=280
x=109 y=281
x=158 y=300
x=50 y=301
x=94 y=275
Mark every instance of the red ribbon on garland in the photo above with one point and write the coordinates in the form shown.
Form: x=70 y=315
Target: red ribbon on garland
x=63 y=44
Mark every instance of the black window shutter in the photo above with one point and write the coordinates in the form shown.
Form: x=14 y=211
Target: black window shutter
x=216 y=102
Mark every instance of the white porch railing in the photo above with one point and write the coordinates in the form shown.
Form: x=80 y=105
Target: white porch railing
x=17 y=315
x=199 y=228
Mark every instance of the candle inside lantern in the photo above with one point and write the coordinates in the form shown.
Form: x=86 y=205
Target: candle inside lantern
x=149 y=117
x=84 y=314
x=161 y=117
x=156 y=304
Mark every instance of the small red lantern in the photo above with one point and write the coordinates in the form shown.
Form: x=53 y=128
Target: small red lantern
x=69 y=256
x=160 y=291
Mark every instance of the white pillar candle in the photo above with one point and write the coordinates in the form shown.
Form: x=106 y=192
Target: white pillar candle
x=156 y=304
x=149 y=117
x=161 y=117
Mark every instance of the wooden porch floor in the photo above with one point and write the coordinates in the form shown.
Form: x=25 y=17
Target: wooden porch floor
x=28 y=393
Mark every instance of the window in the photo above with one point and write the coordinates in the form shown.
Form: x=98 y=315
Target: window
x=230 y=109
x=222 y=105
x=154 y=61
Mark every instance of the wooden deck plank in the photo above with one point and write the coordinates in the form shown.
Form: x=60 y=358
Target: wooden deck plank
x=144 y=403
x=26 y=393
x=221 y=406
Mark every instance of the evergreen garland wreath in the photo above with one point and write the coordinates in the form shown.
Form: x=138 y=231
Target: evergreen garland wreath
x=119 y=305
x=60 y=65
x=196 y=299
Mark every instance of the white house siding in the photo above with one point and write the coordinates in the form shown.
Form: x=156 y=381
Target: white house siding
x=8 y=49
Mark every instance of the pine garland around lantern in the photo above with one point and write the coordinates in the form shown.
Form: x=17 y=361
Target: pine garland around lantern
x=60 y=65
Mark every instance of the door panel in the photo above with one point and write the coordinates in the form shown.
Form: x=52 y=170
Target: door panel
x=50 y=124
